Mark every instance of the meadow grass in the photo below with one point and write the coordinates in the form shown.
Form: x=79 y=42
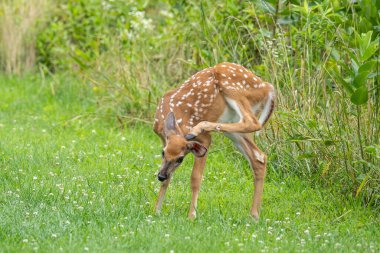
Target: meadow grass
x=71 y=180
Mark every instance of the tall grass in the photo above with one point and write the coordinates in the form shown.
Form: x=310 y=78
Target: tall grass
x=19 y=25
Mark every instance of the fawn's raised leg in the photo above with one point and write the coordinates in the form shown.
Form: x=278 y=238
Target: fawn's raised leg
x=248 y=122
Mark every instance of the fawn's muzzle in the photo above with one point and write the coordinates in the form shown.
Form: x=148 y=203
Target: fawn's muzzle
x=161 y=177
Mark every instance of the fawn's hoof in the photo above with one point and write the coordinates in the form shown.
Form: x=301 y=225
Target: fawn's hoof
x=255 y=217
x=192 y=216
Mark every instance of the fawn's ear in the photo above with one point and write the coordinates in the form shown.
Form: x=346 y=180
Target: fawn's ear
x=197 y=149
x=170 y=126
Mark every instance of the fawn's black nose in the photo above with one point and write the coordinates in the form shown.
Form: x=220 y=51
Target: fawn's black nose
x=161 y=177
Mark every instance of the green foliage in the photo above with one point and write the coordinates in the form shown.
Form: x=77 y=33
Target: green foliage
x=360 y=96
x=361 y=70
x=82 y=30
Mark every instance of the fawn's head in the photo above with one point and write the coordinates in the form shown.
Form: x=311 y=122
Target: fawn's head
x=176 y=148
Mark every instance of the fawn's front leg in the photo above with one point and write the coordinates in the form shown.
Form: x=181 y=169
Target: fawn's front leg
x=161 y=194
x=196 y=175
x=196 y=181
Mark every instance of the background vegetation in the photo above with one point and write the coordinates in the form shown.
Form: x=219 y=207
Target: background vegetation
x=322 y=56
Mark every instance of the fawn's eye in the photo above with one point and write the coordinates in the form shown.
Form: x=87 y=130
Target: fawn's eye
x=180 y=159
x=163 y=154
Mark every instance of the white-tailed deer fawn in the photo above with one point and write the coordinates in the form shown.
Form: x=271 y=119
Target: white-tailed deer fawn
x=225 y=98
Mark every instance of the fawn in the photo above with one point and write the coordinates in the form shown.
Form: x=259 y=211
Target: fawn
x=226 y=98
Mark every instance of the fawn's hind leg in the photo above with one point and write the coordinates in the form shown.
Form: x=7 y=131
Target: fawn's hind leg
x=258 y=161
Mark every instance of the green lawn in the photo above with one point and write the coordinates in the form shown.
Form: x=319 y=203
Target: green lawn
x=72 y=181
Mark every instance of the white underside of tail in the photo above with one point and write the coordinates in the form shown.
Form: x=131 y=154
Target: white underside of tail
x=231 y=113
x=267 y=108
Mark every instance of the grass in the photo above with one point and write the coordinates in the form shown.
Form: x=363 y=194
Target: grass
x=71 y=181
